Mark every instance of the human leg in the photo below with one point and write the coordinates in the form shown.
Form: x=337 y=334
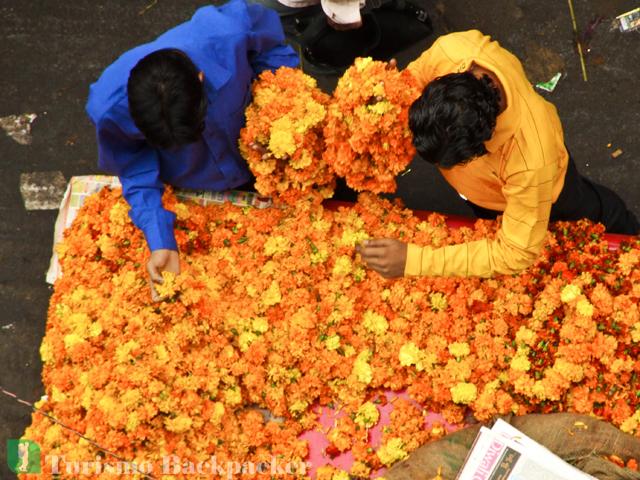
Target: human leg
x=582 y=198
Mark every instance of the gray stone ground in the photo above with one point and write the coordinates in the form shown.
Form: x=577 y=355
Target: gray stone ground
x=51 y=51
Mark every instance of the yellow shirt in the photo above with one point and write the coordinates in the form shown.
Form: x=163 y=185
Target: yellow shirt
x=521 y=175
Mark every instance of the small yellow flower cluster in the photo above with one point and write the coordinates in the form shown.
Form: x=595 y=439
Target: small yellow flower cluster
x=392 y=451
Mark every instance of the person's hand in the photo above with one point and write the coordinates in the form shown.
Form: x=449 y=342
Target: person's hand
x=160 y=261
x=385 y=255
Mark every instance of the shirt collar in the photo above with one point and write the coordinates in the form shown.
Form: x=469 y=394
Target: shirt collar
x=507 y=122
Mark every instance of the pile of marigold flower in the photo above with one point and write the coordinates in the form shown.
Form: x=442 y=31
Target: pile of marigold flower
x=282 y=141
x=274 y=310
x=367 y=130
x=297 y=139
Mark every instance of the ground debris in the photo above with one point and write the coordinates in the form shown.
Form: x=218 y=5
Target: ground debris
x=18 y=127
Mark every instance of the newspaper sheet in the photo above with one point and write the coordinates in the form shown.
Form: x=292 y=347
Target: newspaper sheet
x=505 y=453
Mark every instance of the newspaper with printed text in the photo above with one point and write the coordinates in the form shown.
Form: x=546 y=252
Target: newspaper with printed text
x=505 y=453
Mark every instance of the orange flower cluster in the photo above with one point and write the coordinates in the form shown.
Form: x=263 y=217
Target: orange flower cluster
x=274 y=310
x=282 y=141
x=367 y=130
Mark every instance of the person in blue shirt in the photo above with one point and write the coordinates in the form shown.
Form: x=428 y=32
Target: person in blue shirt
x=170 y=112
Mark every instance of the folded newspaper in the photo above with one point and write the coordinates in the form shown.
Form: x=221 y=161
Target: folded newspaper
x=505 y=453
x=81 y=187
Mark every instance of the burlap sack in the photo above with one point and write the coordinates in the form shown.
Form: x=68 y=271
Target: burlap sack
x=580 y=440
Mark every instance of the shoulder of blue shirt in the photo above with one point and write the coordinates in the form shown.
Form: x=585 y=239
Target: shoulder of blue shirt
x=193 y=37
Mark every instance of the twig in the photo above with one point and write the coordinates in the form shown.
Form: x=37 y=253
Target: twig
x=148 y=7
x=577 y=39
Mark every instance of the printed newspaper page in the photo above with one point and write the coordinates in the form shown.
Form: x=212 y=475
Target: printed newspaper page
x=505 y=453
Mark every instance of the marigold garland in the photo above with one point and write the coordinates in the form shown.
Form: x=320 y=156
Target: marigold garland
x=273 y=309
x=367 y=131
x=282 y=141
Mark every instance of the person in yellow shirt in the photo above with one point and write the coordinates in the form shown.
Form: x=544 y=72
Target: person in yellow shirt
x=501 y=146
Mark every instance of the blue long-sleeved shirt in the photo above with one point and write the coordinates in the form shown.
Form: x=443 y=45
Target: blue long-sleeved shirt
x=230 y=45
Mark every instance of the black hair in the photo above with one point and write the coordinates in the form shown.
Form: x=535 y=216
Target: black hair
x=166 y=98
x=453 y=117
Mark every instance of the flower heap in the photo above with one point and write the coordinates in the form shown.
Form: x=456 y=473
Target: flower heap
x=273 y=309
x=367 y=131
x=282 y=140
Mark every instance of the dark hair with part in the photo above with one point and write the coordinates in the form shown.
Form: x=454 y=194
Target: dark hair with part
x=166 y=99
x=453 y=117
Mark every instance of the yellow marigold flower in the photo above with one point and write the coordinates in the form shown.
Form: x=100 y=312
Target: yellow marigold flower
x=281 y=140
x=108 y=405
x=386 y=293
x=340 y=475
x=332 y=342
x=367 y=415
x=260 y=324
x=362 y=63
x=321 y=224
x=218 y=413
x=569 y=293
x=349 y=351
x=464 y=393
x=319 y=257
x=233 y=396
x=180 y=424
x=438 y=301
x=95 y=329
x=272 y=295
x=361 y=368
x=245 y=339
x=265 y=167
x=342 y=266
x=459 y=349
x=132 y=422
x=380 y=108
x=630 y=425
x=426 y=361
x=119 y=214
x=409 y=354
x=46 y=352
x=57 y=395
x=123 y=352
x=298 y=407
x=584 y=308
x=392 y=451
x=568 y=370
x=620 y=365
x=350 y=238
x=360 y=469
x=181 y=211
x=374 y=322
x=520 y=362
x=130 y=398
x=359 y=273
x=525 y=336
x=628 y=262
x=86 y=400
x=276 y=244
x=315 y=113
x=635 y=332
x=324 y=473
x=303 y=161
x=72 y=339
x=167 y=288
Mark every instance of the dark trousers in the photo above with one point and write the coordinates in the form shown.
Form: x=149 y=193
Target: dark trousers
x=581 y=198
